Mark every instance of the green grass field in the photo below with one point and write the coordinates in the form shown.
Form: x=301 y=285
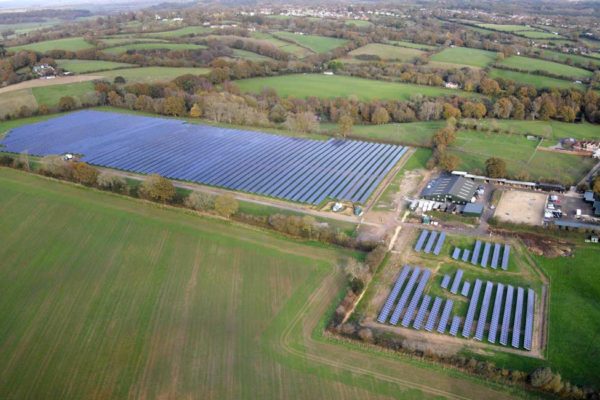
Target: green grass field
x=532 y=64
x=551 y=131
x=539 y=81
x=410 y=133
x=506 y=27
x=282 y=45
x=387 y=52
x=538 y=35
x=318 y=44
x=153 y=46
x=412 y=45
x=325 y=86
x=186 y=31
x=134 y=300
x=359 y=23
x=564 y=58
x=248 y=55
x=152 y=74
x=465 y=56
x=574 y=342
x=50 y=95
x=121 y=40
x=474 y=148
x=85 y=66
x=70 y=44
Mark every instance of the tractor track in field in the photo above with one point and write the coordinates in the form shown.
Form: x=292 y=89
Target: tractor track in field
x=313 y=309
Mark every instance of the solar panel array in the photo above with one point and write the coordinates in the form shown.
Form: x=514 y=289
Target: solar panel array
x=529 y=319
x=445 y=281
x=428 y=244
x=496 y=255
x=456 y=282
x=471 y=310
x=476 y=251
x=291 y=168
x=411 y=284
x=465 y=255
x=505 y=256
x=456 y=253
x=486 y=255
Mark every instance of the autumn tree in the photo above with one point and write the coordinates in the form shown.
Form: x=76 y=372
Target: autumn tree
x=345 y=124
x=84 y=173
x=444 y=137
x=157 y=188
x=66 y=103
x=495 y=167
x=303 y=122
x=380 y=116
x=226 y=205
x=200 y=201
x=489 y=87
x=196 y=111
x=502 y=108
x=112 y=182
x=450 y=111
x=596 y=184
x=175 y=106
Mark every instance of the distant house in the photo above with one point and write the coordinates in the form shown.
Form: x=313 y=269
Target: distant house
x=328 y=73
x=587 y=145
x=44 y=70
x=591 y=197
x=450 y=188
x=451 y=85
x=473 y=210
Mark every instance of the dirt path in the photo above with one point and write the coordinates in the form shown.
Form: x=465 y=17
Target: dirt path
x=61 y=80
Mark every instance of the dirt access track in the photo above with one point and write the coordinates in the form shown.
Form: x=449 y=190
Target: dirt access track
x=521 y=207
x=61 y=80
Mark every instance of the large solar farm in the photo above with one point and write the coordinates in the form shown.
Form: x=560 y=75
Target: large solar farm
x=290 y=168
x=478 y=293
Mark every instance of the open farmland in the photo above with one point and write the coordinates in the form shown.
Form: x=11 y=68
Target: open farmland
x=285 y=46
x=299 y=170
x=465 y=56
x=327 y=86
x=566 y=58
x=551 y=131
x=120 y=40
x=521 y=155
x=248 y=55
x=318 y=44
x=153 y=46
x=417 y=134
x=87 y=66
x=50 y=95
x=387 y=52
x=164 y=303
x=532 y=64
x=152 y=74
x=181 y=32
x=538 y=81
x=411 y=45
x=69 y=44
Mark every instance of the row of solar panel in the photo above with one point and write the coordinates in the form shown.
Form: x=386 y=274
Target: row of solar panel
x=302 y=170
x=428 y=238
x=498 y=309
x=485 y=256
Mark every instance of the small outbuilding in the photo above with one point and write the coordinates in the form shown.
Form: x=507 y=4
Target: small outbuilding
x=450 y=188
x=473 y=210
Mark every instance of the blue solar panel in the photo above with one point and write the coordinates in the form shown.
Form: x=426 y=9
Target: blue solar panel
x=508 y=302
x=455 y=325
x=445 y=281
x=435 y=310
x=465 y=255
x=387 y=307
x=443 y=324
x=475 y=257
x=456 y=282
x=465 y=289
x=528 y=339
x=483 y=312
x=505 y=256
x=471 y=310
x=516 y=333
x=421 y=240
x=404 y=297
x=421 y=313
x=439 y=244
x=286 y=167
x=496 y=255
x=456 y=253
x=430 y=242
x=493 y=332
x=412 y=306
x=486 y=255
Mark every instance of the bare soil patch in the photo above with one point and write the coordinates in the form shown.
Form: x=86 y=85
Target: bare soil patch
x=521 y=207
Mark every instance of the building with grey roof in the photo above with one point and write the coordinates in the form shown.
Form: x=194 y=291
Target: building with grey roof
x=450 y=188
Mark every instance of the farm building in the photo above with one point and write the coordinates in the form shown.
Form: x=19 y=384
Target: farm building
x=591 y=197
x=473 y=210
x=452 y=188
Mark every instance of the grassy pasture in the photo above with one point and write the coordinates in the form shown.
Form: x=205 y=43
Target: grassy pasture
x=153 y=46
x=465 y=56
x=50 y=95
x=307 y=85
x=506 y=27
x=551 y=131
x=474 y=148
x=152 y=74
x=358 y=23
x=538 y=35
x=410 y=134
x=248 y=55
x=138 y=301
x=387 y=52
x=124 y=40
x=561 y=57
x=70 y=44
x=85 y=66
x=411 y=45
x=539 y=81
x=318 y=44
x=186 y=31
x=532 y=64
